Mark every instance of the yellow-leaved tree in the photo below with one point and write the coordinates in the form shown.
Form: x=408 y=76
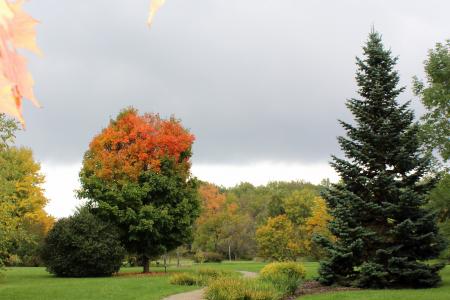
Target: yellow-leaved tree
x=278 y=240
x=23 y=220
x=317 y=224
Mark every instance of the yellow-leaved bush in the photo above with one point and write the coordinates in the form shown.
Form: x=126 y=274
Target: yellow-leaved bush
x=285 y=276
x=241 y=288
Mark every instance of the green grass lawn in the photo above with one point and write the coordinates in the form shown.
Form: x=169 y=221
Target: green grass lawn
x=37 y=284
x=440 y=293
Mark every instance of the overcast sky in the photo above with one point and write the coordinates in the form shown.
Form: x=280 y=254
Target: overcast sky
x=261 y=83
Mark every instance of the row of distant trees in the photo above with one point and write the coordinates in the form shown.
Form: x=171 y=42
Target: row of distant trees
x=274 y=222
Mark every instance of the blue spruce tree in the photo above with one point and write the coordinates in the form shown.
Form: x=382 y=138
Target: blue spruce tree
x=383 y=233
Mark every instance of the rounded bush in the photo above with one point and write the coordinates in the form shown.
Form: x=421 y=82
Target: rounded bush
x=83 y=246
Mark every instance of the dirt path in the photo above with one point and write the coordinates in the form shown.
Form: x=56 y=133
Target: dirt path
x=194 y=295
x=198 y=294
x=248 y=274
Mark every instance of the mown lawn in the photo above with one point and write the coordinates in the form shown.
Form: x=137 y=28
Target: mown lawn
x=311 y=267
x=37 y=284
x=440 y=293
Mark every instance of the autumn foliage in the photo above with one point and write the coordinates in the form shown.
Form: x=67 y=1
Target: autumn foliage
x=23 y=220
x=136 y=175
x=278 y=239
x=16 y=31
x=155 y=5
x=212 y=198
x=134 y=143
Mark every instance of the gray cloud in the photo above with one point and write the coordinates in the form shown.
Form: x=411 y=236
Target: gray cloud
x=252 y=79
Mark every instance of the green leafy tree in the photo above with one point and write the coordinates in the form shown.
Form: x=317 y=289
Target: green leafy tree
x=208 y=232
x=136 y=174
x=236 y=239
x=435 y=96
x=440 y=198
x=8 y=128
x=435 y=126
x=439 y=201
x=383 y=232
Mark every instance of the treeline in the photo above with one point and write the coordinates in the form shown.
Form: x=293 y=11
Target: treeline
x=275 y=221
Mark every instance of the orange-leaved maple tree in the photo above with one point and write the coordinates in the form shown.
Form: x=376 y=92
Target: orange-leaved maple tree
x=16 y=31
x=135 y=143
x=136 y=174
x=212 y=199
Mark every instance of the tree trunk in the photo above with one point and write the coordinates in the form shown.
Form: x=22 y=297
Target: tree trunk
x=165 y=263
x=229 y=252
x=146 y=264
x=178 y=258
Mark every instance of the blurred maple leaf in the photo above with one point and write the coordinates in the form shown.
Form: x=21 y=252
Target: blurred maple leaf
x=16 y=31
x=155 y=5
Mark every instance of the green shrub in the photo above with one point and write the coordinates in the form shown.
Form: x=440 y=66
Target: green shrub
x=241 y=289
x=205 y=257
x=82 y=246
x=285 y=276
x=184 y=279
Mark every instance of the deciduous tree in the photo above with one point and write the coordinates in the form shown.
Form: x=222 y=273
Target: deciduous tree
x=317 y=224
x=278 y=240
x=435 y=96
x=136 y=174
x=299 y=205
x=23 y=220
